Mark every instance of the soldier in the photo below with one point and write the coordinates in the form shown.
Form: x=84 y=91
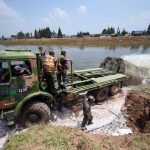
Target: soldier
x=18 y=70
x=86 y=109
x=42 y=55
x=49 y=68
x=42 y=58
x=62 y=67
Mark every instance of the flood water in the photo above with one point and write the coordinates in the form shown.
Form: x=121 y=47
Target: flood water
x=89 y=57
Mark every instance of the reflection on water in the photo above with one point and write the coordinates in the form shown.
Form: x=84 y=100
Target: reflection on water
x=86 y=57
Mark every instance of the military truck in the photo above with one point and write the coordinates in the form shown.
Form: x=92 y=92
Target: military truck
x=23 y=93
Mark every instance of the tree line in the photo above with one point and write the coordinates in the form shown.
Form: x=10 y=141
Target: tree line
x=41 y=33
x=47 y=33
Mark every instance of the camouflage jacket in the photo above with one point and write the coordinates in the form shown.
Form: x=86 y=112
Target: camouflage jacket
x=86 y=107
x=62 y=63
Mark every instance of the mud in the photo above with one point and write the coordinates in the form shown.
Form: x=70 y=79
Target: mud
x=137 y=109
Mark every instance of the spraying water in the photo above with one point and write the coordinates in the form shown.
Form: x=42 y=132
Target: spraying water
x=142 y=60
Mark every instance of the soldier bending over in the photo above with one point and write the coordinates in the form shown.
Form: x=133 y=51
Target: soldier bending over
x=86 y=109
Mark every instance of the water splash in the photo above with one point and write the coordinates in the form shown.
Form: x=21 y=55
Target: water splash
x=142 y=60
x=146 y=81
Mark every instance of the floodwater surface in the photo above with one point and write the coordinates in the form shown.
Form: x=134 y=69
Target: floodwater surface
x=87 y=57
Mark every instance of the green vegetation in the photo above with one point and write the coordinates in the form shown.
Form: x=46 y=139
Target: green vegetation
x=51 y=137
x=47 y=137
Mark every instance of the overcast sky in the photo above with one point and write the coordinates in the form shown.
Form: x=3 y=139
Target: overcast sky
x=73 y=16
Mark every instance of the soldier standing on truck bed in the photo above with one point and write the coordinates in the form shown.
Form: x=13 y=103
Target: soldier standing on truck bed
x=42 y=55
x=62 y=67
x=49 y=68
x=42 y=58
x=86 y=109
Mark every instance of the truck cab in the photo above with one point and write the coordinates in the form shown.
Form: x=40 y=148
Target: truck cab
x=20 y=81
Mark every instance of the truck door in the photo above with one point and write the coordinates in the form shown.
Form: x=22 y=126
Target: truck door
x=5 y=94
x=22 y=80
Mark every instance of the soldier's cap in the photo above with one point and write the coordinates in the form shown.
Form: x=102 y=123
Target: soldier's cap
x=40 y=47
x=63 y=52
x=51 y=52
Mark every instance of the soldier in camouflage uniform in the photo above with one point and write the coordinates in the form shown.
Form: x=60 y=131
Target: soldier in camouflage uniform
x=49 y=68
x=42 y=58
x=18 y=70
x=86 y=109
x=42 y=55
x=62 y=67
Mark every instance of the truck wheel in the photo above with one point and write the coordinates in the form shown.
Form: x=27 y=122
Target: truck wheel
x=115 y=88
x=35 y=113
x=101 y=94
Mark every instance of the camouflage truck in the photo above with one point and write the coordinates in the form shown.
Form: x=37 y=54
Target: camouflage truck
x=24 y=93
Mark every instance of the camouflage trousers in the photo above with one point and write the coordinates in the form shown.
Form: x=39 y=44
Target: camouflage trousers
x=62 y=76
x=87 y=119
x=51 y=81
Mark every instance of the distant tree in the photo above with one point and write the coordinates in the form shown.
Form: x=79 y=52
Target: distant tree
x=80 y=34
x=124 y=32
x=118 y=31
x=36 y=34
x=20 y=35
x=30 y=34
x=109 y=30
x=47 y=32
x=104 y=31
x=86 y=34
x=59 y=33
x=27 y=35
x=112 y=30
x=148 y=30
x=44 y=33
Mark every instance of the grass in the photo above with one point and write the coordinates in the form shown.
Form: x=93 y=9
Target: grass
x=60 y=138
x=112 y=42
x=46 y=137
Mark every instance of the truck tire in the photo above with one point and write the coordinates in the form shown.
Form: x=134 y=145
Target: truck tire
x=115 y=88
x=101 y=94
x=35 y=113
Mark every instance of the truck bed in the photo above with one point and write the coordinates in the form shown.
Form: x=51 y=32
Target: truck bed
x=91 y=79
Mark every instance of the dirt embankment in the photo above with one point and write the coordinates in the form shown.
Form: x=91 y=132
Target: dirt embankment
x=137 y=109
